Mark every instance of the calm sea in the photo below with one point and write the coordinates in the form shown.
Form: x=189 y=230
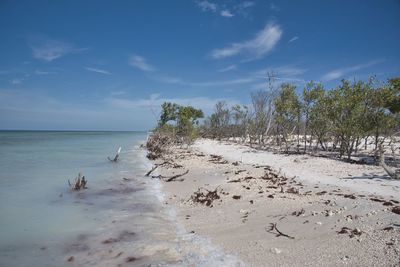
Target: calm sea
x=119 y=220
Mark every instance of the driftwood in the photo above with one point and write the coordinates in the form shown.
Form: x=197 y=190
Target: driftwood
x=278 y=233
x=152 y=169
x=79 y=183
x=115 y=159
x=171 y=178
x=391 y=172
x=165 y=163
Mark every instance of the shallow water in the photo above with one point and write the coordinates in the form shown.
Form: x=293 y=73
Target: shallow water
x=115 y=221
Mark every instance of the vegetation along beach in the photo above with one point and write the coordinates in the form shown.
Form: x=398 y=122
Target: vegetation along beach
x=199 y=133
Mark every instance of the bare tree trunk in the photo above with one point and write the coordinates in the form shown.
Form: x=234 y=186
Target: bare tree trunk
x=392 y=173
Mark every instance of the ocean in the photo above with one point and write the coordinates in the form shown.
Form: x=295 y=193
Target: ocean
x=121 y=219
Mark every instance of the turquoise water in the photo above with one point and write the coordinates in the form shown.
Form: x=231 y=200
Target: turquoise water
x=119 y=219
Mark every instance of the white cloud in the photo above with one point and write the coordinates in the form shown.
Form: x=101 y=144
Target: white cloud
x=339 y=73
x=229 y=68
x=256 y=48
x=140 y=63
x=226 y=10
x=50 y=49
x=226 y=13
x=207 y=6
x=98 y=71
x=293 y=39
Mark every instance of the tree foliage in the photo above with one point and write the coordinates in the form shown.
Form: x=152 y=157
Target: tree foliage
x=334 y=119
x=184 y=117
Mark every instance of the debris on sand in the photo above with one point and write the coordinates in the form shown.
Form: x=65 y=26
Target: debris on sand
x=277 y=232
x=205 y=197
x=396 y=209
x=352 y=233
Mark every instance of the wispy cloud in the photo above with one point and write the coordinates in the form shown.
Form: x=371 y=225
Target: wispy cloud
x=140 y=63
x=256 y=48
x=274 y=7
x=154 y=102
x=174 y=80
x=246 y=4
x=282 y=71
x=41 y=72
x=50 y=49
x=341 y=72
x=207 y=6
x=4 y=72
x=117 y=93
x=16 y=81
x=226 y=10
x=293 y=39
x=226 y=13
x=98 y=71
x=229 y=68
x=286 y=73
x=243 y=9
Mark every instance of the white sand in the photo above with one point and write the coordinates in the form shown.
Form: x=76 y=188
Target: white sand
x=360 y=178
x=240 y=226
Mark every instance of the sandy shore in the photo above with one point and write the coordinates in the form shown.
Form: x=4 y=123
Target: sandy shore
x=315 y=212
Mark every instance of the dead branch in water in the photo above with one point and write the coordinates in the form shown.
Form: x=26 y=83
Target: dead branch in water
x=278 y=233
x=116 y=156
x=79 y=183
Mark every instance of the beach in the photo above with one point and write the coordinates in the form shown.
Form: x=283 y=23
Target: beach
x=271 y=209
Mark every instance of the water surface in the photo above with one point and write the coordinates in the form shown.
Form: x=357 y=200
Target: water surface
x=119 y=219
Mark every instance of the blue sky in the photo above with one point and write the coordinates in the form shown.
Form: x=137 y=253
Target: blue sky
x=108 y=65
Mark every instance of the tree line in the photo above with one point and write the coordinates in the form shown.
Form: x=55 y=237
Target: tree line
x=298 y=120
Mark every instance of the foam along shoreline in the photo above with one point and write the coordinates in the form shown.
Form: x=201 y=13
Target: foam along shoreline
x=312 y=220
x=140 y=230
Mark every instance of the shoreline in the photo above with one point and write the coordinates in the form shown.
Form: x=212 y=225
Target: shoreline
x=331 y=223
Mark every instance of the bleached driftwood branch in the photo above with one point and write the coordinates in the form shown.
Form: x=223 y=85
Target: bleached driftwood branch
x=116 y=156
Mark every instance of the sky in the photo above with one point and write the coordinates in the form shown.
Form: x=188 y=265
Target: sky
x=109 y=65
